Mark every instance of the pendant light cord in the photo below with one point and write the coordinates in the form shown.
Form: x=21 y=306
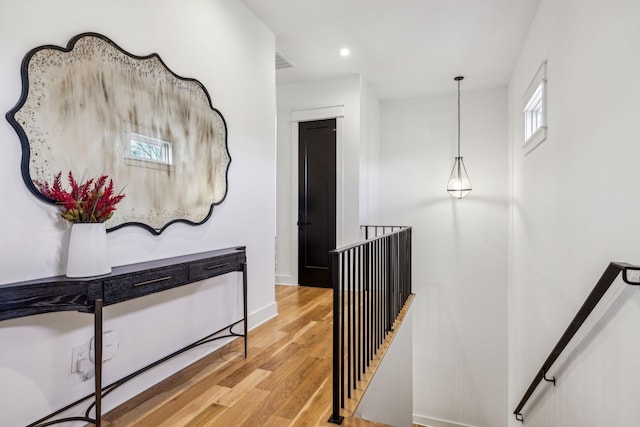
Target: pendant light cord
x=458 y=117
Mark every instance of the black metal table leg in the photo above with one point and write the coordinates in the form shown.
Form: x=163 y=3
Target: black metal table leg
x=244 y=302
x=97 y=326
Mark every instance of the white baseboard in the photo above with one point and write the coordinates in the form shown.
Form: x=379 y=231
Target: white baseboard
x=260 y=316
x=285 y=279
x=436 y=422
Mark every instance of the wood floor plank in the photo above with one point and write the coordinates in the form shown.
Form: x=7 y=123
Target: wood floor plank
x=317 y=409
x=241 y=414
x=292 y=405
x=276 y=421
x=243 y=387
x=206 y=416
x=300 y=363
x=182 y=409
x=276 y=361
x=265 y=340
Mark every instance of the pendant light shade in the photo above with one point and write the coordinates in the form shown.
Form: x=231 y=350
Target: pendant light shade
x=459 y=183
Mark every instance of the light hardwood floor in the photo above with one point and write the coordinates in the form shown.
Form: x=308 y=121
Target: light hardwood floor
x=285 y=381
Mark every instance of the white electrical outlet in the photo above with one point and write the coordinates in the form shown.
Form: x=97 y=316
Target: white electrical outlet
x=78 y=354
x=110 y=346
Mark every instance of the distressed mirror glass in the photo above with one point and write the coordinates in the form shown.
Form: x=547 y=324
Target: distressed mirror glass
x=94 y=109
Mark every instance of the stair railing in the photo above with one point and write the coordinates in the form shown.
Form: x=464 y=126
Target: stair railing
x=371 y=283
x=606 y=280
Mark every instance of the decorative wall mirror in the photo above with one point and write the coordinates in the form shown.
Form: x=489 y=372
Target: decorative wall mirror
x=95 y=109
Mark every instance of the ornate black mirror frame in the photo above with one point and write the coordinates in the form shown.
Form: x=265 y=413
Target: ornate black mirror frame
x=95 y=109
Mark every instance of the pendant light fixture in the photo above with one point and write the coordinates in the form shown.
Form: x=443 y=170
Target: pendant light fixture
x=459 y=183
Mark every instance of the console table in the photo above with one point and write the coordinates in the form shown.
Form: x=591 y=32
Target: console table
x=90 y=295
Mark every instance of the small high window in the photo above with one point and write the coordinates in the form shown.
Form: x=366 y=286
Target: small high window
x=145 y=151
x=149 y=149
x=533 y=113
x=535 y=126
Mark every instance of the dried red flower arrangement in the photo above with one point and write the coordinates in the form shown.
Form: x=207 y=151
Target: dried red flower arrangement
x=91 y=201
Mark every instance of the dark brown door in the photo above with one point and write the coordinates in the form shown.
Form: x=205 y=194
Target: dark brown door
x=316 y=201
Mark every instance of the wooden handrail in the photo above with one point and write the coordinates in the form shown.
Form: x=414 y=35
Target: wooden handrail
x=610 y=274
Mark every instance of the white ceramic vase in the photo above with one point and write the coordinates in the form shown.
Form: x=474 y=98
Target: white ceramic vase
x=88 y=250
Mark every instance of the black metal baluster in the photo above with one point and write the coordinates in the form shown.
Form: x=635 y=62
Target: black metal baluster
x=372 y=287
x=380 y=320
x=399 y=285
x=367 y=303
x=404 y=267
x=392 y=281
x=392 y=272
x=342 y=326
x=394 y=277
x=358 y=310
x=392 y=284
x=409 y=257
x=387 y=281
x=363 y=312
x=362 y=332
x=337 y=354
x=354 y=355
x=379 y=311
x=348 y=324
x=380 y=295
x=398 y=289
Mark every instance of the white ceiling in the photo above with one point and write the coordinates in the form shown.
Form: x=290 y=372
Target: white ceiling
x=403 y=48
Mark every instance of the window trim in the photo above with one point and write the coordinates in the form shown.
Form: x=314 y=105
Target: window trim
x=537 y=88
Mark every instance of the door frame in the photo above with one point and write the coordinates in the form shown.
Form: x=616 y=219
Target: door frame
x=297 y=116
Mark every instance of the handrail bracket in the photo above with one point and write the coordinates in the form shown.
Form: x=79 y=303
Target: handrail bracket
x=625 y=277
x=551 y=380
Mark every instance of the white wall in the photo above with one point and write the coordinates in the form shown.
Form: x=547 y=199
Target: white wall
x=389 y=396
x=369 y=154
x=574 y=211
x=218 y=42
x=296 y=97
x=460 y=250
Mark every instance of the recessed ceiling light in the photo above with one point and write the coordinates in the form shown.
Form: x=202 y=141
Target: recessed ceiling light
x=345 y=52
